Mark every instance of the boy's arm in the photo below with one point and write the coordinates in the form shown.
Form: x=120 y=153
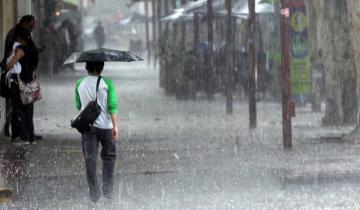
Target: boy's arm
x=115 y=130
x=113 y=108
x=77 y=96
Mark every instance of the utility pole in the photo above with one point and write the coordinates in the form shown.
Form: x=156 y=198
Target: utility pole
x=252 y=61
x=288 y=108
x=147 y=31
x=229 y=58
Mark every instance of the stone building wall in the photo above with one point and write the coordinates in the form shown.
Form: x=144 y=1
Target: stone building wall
x=7 y=20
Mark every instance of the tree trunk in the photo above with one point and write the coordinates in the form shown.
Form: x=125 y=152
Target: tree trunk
x=159 y=14
x=275 y=45
x=147 y=31
x=315 y=54
x=209 y=89
x=196 y=23
x=173 y=39
x=229 y=58
x=154 y=31
x=353 y=10
x=340 y=75
x=166 y=57
x=183 y=29
x=252 y=63
x=160 y=36
x=167 y=9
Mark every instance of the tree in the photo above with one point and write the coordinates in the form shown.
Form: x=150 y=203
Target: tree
x=147 y=31
x=252 y=63
x=353 y=8
x=209 y=89
x=340 y=72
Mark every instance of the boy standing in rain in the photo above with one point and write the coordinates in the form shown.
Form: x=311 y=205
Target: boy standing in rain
x=104 y=130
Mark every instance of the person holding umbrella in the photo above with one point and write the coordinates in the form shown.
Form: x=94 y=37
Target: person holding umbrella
x=104 y=130
x=94 y=92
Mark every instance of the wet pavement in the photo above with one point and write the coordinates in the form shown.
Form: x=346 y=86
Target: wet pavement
x=183 y=154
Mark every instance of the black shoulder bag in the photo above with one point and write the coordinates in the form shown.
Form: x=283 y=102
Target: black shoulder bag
x=88 y=116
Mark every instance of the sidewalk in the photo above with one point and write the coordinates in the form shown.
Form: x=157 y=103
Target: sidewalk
x=189 y=155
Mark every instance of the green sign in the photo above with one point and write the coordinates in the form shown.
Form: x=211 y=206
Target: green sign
x=74 y=2
x=300 y=58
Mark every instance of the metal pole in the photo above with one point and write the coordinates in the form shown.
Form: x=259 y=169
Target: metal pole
x=229 y=59
x=287 y=105
x=252 y=61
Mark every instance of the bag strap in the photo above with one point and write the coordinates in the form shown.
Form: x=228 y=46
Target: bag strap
x=97 y=86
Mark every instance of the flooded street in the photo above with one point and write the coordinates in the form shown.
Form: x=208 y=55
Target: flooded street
x=184 y=154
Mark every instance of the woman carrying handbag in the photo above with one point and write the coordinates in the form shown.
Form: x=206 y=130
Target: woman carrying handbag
x=20 y=76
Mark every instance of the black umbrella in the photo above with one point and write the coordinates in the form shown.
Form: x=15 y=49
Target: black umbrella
x=103 y=55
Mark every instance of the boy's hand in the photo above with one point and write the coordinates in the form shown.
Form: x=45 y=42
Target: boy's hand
x=115 y=134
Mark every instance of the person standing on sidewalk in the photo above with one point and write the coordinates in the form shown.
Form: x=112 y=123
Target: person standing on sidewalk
x=27 y=22
x=104 y=130
x=99 y=35
x=15 y=65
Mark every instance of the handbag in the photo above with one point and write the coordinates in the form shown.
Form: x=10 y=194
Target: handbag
x=29 y=92
x=88 y=116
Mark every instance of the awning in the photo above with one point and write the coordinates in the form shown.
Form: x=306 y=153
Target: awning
x=240 y=10
x=134 y=18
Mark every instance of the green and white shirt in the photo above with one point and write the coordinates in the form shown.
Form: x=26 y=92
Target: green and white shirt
x=85 y=92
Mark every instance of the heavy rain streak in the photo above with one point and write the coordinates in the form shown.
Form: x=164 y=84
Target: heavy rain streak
x=179 y=104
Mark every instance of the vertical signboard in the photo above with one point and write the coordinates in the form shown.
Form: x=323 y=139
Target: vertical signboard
x=299 y=47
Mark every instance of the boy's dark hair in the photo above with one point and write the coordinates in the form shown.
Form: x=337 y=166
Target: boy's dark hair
x=94 y=67
x=26 y=19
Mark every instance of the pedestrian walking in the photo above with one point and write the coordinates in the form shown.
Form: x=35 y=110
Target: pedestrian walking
x=104 y=129
x=99 y=35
